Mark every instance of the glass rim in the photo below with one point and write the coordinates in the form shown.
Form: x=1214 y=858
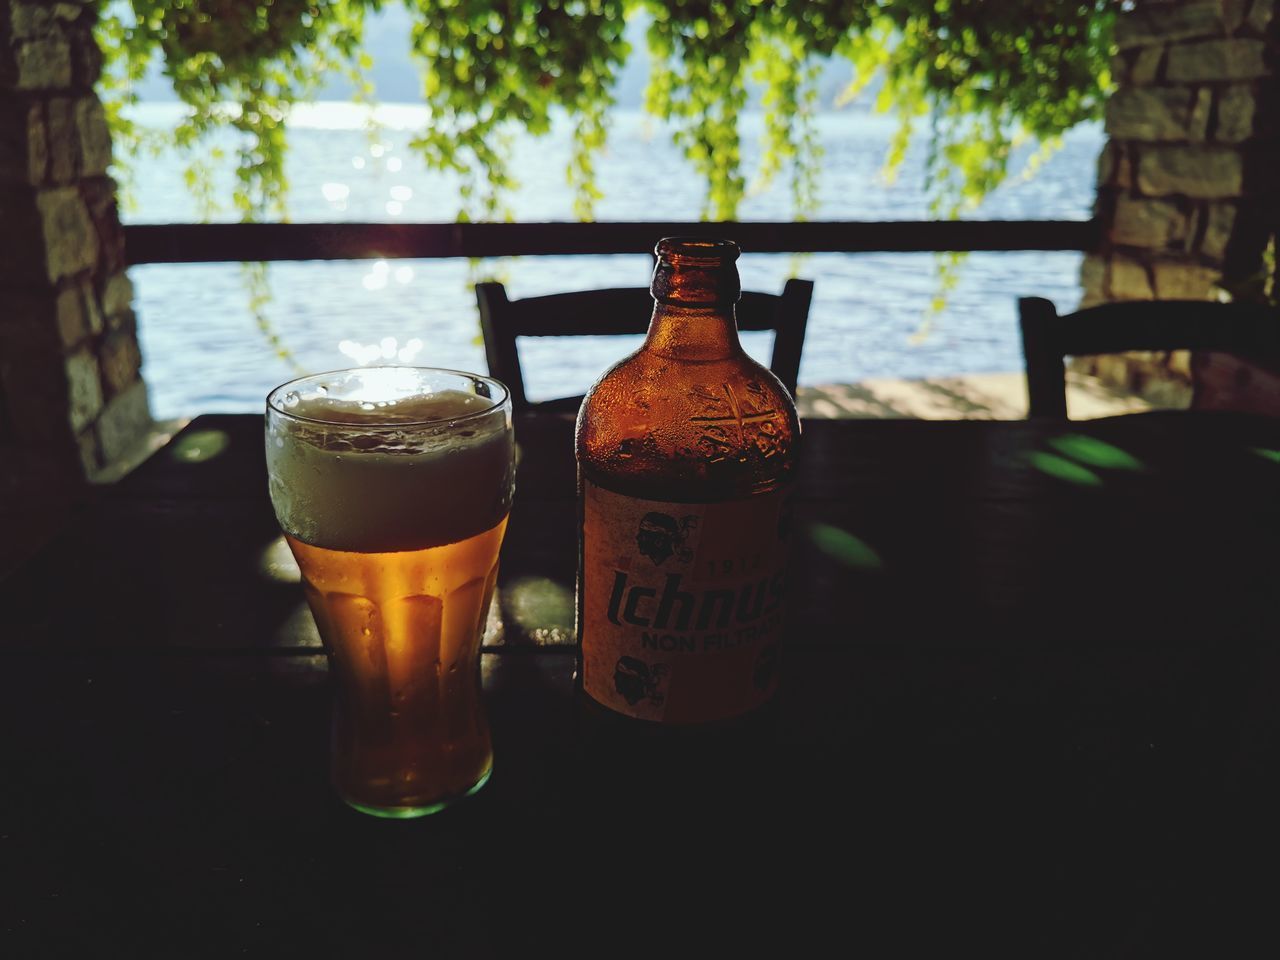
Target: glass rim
x=498 y=402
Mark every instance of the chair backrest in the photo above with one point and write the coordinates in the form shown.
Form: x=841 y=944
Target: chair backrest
x=1048 y=338
x=623 y=311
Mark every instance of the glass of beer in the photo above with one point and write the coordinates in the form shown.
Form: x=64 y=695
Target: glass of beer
x=392 y=486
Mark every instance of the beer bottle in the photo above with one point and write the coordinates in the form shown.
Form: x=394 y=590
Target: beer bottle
x=685 y=449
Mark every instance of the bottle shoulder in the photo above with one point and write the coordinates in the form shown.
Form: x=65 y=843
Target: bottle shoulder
x=670 y=428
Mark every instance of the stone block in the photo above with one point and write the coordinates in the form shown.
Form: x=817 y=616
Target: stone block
x=90 y=458
x=93 y=136
x=1107 y=162
x=1180 y=363
x=24 y=145
x=1155 y=224
x=70 y=241
x=1201 y=111
x=1183 y=281
x=1261 y=15
x=1146 y=66
x=1195 y=221
x=1093 y=277
x=1220 y=218
x=1238 y=59
x=1124 y=169
x=1154 y=113
x=64 y=147
x=100 y=194
x=1236 y=106
x=1233 y=14
x=100 y=197
x=44 y=64
x=1120 y=70
x=1159 y=23
x=1130 y=280
x=124 y=423
x=86 y=60
x=29 y=21
x=73 y=324
x=1201 y=172
x=84 y=388
x=120 y=360
x=117 y=295
x=92 y=308
x=128 y=320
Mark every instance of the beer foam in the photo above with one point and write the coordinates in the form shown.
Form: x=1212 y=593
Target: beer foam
x=424 y=408
x=385 y=476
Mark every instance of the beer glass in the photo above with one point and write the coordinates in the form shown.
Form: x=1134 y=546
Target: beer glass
x=392 y=486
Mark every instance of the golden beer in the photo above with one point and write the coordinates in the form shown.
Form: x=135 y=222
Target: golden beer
x=393 y=487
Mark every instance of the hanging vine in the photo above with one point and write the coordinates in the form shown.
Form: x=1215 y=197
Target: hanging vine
x=984 y=75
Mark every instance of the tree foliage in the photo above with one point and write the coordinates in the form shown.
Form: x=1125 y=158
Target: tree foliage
x=979 y=74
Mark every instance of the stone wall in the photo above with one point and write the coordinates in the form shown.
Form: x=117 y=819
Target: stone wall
x=70 y=386
x=1187 y=183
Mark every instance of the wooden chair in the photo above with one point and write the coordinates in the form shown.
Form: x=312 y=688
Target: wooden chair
x=1047 y=338
x=623 y=311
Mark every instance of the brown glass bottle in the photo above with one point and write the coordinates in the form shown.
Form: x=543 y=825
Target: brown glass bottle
x=685 y=450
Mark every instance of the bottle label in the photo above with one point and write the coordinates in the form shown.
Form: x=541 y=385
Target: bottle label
x=682 y=604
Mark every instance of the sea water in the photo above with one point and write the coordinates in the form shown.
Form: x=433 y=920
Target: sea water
x=206 y=350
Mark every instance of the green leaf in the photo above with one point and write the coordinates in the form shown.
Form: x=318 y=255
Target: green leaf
x=981 y=74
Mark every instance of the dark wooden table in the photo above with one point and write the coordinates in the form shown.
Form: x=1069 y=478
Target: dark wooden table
x=1029 y=701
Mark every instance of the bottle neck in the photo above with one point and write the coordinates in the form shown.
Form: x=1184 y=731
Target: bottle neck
x=693 y=331
x=693 y=316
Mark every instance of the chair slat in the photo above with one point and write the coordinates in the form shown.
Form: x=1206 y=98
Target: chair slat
x=618 y=311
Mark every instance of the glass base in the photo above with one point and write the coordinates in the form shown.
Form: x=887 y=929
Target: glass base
x=411 y=813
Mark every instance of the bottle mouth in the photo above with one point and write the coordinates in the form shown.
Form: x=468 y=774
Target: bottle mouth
x=697 y=251
x=695 y=270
